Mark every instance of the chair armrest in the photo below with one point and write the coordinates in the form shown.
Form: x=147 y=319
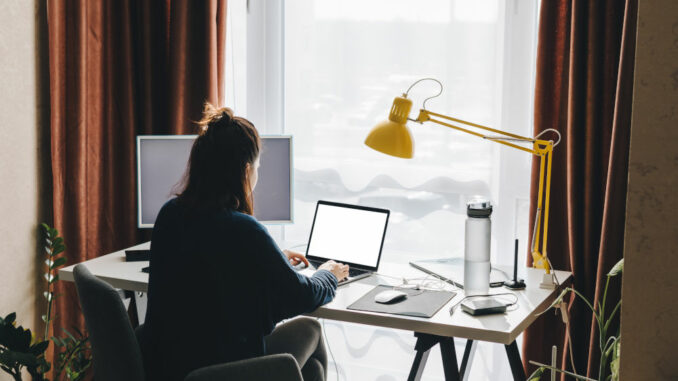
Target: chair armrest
x=281 y=367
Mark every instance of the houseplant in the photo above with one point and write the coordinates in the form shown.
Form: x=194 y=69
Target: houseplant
x=19 y=349
x=73 y=355
x=608 y=344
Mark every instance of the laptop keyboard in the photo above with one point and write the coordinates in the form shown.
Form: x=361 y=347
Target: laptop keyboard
x=352 y=272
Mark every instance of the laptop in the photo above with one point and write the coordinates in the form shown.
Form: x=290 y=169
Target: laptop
x=349 y=234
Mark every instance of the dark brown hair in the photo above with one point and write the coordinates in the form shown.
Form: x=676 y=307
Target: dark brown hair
x=217 y=177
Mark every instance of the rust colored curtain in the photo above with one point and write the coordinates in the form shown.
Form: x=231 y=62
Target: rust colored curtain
x=584 y=88
x=119 y=68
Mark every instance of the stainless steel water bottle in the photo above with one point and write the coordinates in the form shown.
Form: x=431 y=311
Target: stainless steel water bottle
x=477 y=247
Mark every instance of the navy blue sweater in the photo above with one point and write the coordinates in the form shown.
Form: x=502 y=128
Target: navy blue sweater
x=218 y=284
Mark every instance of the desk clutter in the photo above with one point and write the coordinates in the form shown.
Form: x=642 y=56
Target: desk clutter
x=137 y=255
x=418 y=303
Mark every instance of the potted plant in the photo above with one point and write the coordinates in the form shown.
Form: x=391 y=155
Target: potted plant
x=73 y=350
x=19 y=349
x=608 y=344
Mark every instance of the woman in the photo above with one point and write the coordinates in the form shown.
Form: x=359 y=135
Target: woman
x=218 y=283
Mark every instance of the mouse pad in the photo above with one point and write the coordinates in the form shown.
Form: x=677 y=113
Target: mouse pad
x=419 y=303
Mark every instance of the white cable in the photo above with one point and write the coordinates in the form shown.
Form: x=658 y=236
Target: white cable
x=550 y=130
x=426 y=79
x=553 y=272
x=426 y=283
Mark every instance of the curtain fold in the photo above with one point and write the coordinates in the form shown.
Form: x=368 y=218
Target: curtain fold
x=584 y=88
x=119 y=69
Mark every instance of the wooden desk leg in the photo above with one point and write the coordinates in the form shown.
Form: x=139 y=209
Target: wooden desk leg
x=515 y=362
x=423 y=347
x=467 y=360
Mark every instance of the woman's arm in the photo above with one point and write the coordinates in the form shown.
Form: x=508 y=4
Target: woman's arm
x=290 y=293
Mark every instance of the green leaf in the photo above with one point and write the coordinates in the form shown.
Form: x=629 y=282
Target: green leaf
x=58 y=241
x=25 y=339
x=614 y=364
x=608 y=350
x=9 y=319
x=54 y=278
x=58 y=262
x=58 y=341
x=39 y=348
x=78 y=332
x=59 y=248
x=618 y=268
x=45 y=226
x=536 y=375
x=25 y=359
x=69 y=334
x=560 y=297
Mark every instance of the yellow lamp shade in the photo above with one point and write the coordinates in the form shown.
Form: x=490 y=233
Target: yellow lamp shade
x=392 y=136
x=392 y=139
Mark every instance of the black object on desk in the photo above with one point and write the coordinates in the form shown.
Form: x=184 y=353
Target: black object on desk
x=419 y=303
x=146 y=269
x=137 y=255
x=515 y=283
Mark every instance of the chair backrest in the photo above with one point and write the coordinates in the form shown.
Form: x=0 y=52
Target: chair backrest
x=115 y=350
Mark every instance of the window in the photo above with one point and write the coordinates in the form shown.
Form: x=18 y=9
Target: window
x=326 y=71
x=345 y=61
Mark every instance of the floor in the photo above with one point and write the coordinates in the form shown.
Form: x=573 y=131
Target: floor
x=367 y=353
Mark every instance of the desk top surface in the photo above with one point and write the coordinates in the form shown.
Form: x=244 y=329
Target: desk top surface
x=500 y=328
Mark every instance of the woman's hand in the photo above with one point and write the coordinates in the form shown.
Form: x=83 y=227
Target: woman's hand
x=338 y=269
x=295 y=257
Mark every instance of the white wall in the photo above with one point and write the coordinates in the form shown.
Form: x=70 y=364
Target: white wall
x=24 y=157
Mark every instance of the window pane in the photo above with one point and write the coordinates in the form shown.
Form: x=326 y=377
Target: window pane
x=344 y=63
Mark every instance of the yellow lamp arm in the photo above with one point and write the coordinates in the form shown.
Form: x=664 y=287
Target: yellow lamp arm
x=541 y=148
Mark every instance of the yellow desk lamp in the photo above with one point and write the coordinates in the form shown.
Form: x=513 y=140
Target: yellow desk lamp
x=393 y=137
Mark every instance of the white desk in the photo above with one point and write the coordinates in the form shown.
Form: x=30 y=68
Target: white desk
x=502 y=328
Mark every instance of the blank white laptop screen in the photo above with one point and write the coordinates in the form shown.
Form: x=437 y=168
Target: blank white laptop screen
x=347 y=235
x=161 y=164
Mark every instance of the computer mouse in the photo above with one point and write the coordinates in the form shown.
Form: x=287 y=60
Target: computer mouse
x=390 y=296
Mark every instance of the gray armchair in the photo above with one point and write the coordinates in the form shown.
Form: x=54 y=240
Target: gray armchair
x=117 y=355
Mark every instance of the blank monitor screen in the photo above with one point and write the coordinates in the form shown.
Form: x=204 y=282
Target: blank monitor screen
x=162 y=161
x=348 y=234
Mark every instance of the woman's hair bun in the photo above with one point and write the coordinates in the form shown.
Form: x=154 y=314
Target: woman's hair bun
x=215 y=116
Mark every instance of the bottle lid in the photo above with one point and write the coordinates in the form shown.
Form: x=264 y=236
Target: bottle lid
x=479 y=208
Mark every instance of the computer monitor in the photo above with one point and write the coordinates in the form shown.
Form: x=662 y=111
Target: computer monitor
x=162 y=161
